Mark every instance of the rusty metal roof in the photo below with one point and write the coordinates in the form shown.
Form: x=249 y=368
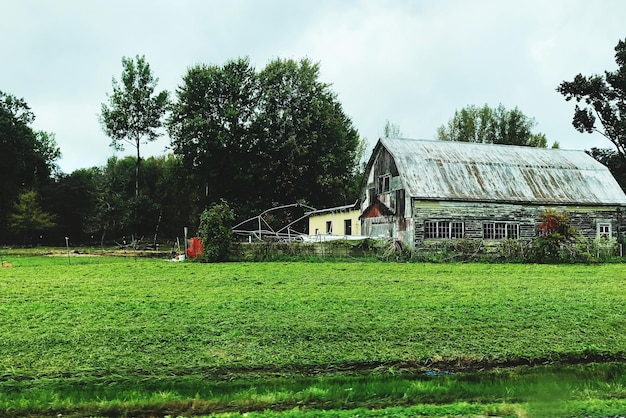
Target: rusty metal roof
x=486 y=172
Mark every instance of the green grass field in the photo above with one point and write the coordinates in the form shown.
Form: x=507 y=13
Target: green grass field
x=114 y=336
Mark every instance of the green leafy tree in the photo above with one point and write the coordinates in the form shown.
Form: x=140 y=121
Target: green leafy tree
x=603 y=100
x=259 y=139
x=135 y=110
x=71 y=199
x=216 y=232
x=167 y=185
x=310 y=146
x=210 y=126
x=111 y=214
x=27 y=157
x=491 y=126
x=28 y=217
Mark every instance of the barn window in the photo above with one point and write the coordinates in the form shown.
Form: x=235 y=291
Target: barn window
x=329 y=227
x=604 y=230
x=347 y=226
x=384 y=183
x=500 y=230
x=443 y=229
x=512 y=231
x=456 y=229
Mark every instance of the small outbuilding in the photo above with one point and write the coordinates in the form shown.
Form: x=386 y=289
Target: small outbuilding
x=421 y=190
x=340 y=221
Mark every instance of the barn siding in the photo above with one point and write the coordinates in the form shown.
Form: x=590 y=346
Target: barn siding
x=474 y=215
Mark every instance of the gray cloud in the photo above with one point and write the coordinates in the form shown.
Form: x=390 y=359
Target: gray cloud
x=410 y=62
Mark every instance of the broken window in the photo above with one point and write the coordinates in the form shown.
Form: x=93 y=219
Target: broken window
x=384 y=183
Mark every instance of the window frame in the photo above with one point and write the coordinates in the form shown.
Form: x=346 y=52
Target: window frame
x=606 y=234
x=444 y=229
x=384 y=184
x=498 y=230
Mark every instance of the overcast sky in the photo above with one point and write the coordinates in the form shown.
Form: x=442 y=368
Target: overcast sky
x=412 y=63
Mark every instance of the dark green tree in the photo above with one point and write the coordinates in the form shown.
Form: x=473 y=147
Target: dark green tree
x=111 y=215
x=308 y=145
x=27 y=157
x=168 y=188
x=603 y=100
x=135 y=110
x=263 y=139
x=72 y=199
x=210 y=126
x=491 y=126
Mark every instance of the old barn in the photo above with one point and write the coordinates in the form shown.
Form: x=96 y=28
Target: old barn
x=421 y=190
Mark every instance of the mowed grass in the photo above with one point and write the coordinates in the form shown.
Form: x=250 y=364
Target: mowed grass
x=99 y=322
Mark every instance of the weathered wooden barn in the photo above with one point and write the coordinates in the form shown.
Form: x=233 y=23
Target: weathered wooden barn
x=421 y=190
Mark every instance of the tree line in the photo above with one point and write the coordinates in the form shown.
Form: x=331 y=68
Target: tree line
x=253 y=138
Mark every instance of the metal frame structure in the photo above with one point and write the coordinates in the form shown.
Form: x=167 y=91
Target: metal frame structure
x=262 y=229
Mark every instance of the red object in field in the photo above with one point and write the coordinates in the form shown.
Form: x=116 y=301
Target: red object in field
x=195 y=248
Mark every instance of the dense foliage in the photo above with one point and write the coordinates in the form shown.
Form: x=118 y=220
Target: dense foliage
x=216 y=232
x=492 y=126
x=259 y=139
x=28 y=157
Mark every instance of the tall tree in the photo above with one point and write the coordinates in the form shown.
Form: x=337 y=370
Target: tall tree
x=491 y=126
x=309 y=144
x=210 y=129
x=603 y=100
x=135 y=110
x=27 y=157
x=258 y=139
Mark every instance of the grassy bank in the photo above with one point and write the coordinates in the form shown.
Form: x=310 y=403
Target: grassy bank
x=98 y=322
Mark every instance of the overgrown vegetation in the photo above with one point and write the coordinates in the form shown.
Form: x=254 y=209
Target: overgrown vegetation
x=215 y=230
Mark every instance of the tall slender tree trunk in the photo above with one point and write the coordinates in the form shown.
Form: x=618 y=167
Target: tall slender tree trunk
x=137 y=164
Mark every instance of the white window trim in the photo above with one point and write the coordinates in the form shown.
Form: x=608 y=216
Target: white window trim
x=448 y=229
x=504 y=226
x=606 y=225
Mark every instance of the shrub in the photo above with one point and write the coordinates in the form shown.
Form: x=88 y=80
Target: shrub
x=555 y=233
x=216 y=233
x=513 y=251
